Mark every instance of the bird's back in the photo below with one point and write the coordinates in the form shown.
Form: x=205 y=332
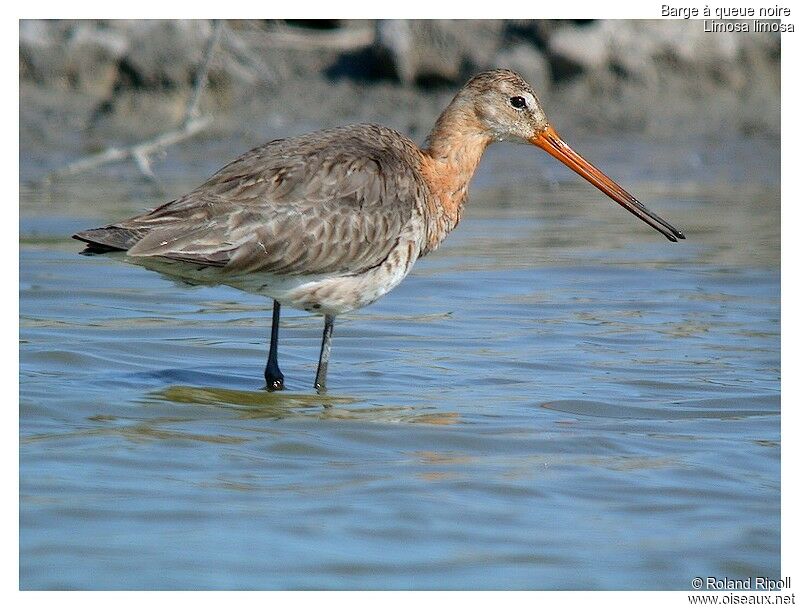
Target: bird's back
x=334 y=201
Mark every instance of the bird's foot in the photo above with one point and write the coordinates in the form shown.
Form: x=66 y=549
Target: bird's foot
x=274 y=383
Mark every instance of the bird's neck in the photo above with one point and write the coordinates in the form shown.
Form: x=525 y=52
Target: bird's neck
x=454 y=149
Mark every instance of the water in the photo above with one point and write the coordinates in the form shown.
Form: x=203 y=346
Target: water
x=558 y=398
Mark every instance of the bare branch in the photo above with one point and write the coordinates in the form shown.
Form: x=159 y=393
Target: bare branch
x=247 y=61
x=192 y=108
x=140 y=153
x=345 y=39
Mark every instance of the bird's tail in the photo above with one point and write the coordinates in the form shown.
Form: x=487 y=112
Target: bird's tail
x=108 y=239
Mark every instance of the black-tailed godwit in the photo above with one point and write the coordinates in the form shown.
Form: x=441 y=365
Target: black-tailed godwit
x=331 y=221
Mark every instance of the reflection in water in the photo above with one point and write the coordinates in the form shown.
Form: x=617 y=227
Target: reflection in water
x=281 y=405
x=585 y=399
x=240 y=398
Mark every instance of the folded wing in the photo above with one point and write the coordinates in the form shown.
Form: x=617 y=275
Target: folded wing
x=334 y=201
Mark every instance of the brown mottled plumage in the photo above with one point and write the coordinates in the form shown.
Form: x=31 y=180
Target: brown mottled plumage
x=318 y=203
x=331 y=221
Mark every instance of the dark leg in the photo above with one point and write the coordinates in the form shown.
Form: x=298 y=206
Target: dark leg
x=324 y=354
x=272 y=373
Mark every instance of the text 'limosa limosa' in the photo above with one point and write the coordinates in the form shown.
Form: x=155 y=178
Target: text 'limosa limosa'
x=331 y=221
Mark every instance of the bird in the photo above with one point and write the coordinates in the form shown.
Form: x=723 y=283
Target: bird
x=331 y=221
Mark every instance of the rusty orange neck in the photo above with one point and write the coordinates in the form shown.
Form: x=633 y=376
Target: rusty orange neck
x=451 y=157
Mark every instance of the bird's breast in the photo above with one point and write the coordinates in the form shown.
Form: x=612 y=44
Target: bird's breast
x=337 y=294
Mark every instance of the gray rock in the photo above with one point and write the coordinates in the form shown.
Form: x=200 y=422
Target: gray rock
x=527 y=61
x=394 y=40
x=661 y=76
x=437 y=50
x=165 y=54
x=93 y=55
x=576 y=50
x=41 y=55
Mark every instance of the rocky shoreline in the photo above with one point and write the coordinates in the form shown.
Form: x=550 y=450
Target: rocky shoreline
x=84 y=84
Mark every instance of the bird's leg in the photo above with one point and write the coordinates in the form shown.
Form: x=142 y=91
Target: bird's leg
x=272 y=373
x=324 y=354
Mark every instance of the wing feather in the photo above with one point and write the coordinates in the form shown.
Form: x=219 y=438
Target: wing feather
x=334 y=201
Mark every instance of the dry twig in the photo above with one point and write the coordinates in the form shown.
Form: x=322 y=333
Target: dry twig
x=346 y=39
x=192 y=123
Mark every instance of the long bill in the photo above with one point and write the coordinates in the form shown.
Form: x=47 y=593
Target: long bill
x=549 y=141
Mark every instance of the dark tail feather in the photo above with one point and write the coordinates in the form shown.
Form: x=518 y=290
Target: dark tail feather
x=108 y=239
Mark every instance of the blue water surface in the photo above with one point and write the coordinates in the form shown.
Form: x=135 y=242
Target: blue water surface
x=558 y=398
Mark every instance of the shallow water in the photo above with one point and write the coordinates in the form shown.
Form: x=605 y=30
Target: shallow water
x=558 y=398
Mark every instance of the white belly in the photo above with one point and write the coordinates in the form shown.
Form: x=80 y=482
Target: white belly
x=324 y=294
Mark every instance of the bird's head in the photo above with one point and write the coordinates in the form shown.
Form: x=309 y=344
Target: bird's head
x=504 y=106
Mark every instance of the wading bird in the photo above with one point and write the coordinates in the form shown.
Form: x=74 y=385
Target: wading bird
x=331 y=221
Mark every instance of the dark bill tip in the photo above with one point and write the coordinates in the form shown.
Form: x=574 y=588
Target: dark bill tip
x=549 y=141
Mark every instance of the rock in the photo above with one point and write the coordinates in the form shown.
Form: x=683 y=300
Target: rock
x=663 y=76
x=40 y=58
x=393 y=42
x=431 y=52
x=164 y=54
x=528 y=62
x=93 y=55
x=535 y=32
x=574 y=51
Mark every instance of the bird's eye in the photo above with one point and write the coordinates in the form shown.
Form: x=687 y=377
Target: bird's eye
x=518 y=101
